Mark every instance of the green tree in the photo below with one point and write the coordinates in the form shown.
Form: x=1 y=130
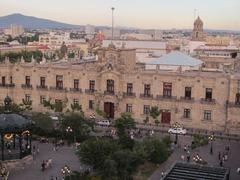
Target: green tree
x=76 y=107
x=9 y=38
x=155 y=112
x=94 y=152
x=100 y=112
x=146 y=120
x=109 y=170
x=126 y=162
x=71 y=55
x=156 y=151
x=27 y=55
x=16 y=108
x=124 y=125
x=79 y=125
x=43 y=121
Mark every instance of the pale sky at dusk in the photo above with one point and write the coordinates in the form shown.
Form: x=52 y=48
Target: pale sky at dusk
x=162 y=14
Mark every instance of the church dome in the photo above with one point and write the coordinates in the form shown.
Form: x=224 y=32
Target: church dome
x=198 y=21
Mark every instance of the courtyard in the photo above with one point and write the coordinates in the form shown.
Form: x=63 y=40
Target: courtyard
x=64 y=156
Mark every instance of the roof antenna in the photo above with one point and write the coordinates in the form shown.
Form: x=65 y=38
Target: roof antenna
x=112 y=8
x=194 y=14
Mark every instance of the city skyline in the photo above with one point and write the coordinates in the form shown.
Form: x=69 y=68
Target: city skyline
x=153 y=14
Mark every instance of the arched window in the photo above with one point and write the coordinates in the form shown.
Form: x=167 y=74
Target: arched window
x=237 y=98
x=196 y=34
x=110 y=85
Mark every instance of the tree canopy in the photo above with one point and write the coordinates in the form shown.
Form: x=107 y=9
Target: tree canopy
x=43 y=121
x=78 y=123
x=124 y=125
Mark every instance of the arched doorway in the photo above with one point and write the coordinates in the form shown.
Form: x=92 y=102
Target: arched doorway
x=166 y=117
x=109 y=109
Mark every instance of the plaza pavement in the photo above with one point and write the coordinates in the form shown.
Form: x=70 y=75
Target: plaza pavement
x=64 y=156
x=233 y=161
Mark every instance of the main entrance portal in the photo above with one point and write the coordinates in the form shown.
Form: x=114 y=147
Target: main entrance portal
x=166 y=117
x=109 y=109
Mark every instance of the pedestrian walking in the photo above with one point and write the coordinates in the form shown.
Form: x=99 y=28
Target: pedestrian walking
x=162 y=174
x=238 y=170
x=43 y=165
x=182 y=157
x=34 y=154
x=225 y=157
x=52 y=178
x=185 y=148
x=221 y=163
x=188 y=158
x=38 y=150
x=219 y=156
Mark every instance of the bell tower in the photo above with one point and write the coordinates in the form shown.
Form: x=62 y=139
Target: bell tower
x=198 y=34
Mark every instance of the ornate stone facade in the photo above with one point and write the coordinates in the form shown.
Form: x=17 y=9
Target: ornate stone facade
x=198 y=34
x=115 y=83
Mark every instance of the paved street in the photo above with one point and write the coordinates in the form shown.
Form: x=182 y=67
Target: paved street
x=233 y=161
x=64 y=156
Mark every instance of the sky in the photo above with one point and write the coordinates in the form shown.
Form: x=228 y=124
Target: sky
x=155 y=14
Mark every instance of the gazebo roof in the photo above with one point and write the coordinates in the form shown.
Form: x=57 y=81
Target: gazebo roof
x=13 y=123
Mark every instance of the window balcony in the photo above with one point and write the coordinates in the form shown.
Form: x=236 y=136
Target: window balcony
x=167 y=98
x=7 y=85
x=186 y=99
x=111 y=93
x=146 y=96
x=129 y=94
x=76 y=90
x=207 y=101
x=41 y=87
x=26 y=86
x=60 y=89
x=90 y=91
x=233 y=104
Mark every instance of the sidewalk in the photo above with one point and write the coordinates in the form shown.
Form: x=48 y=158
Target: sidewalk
x=232 y=163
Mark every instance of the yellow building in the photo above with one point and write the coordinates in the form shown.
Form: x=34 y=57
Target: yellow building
x=115 y=83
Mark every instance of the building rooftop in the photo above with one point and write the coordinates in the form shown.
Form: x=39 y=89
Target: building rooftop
x=136 y=44
x=217 y=48
x=176 y=58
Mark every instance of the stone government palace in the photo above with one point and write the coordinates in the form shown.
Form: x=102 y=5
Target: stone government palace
x=115 y=82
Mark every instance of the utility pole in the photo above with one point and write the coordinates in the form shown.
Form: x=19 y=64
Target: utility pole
x=112 y=21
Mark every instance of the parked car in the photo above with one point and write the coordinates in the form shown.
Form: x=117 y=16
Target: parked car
x=104 y=123
x=177 y=131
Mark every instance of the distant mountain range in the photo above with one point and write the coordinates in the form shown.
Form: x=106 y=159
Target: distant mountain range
x=33 y=22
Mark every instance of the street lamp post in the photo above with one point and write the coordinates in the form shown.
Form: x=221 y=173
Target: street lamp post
x=175 y=126
x=198 y=159
x=211 y=138
x=70 y=130
x=66 y=171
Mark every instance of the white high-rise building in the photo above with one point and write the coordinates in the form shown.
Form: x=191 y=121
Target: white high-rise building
x=14 y=30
